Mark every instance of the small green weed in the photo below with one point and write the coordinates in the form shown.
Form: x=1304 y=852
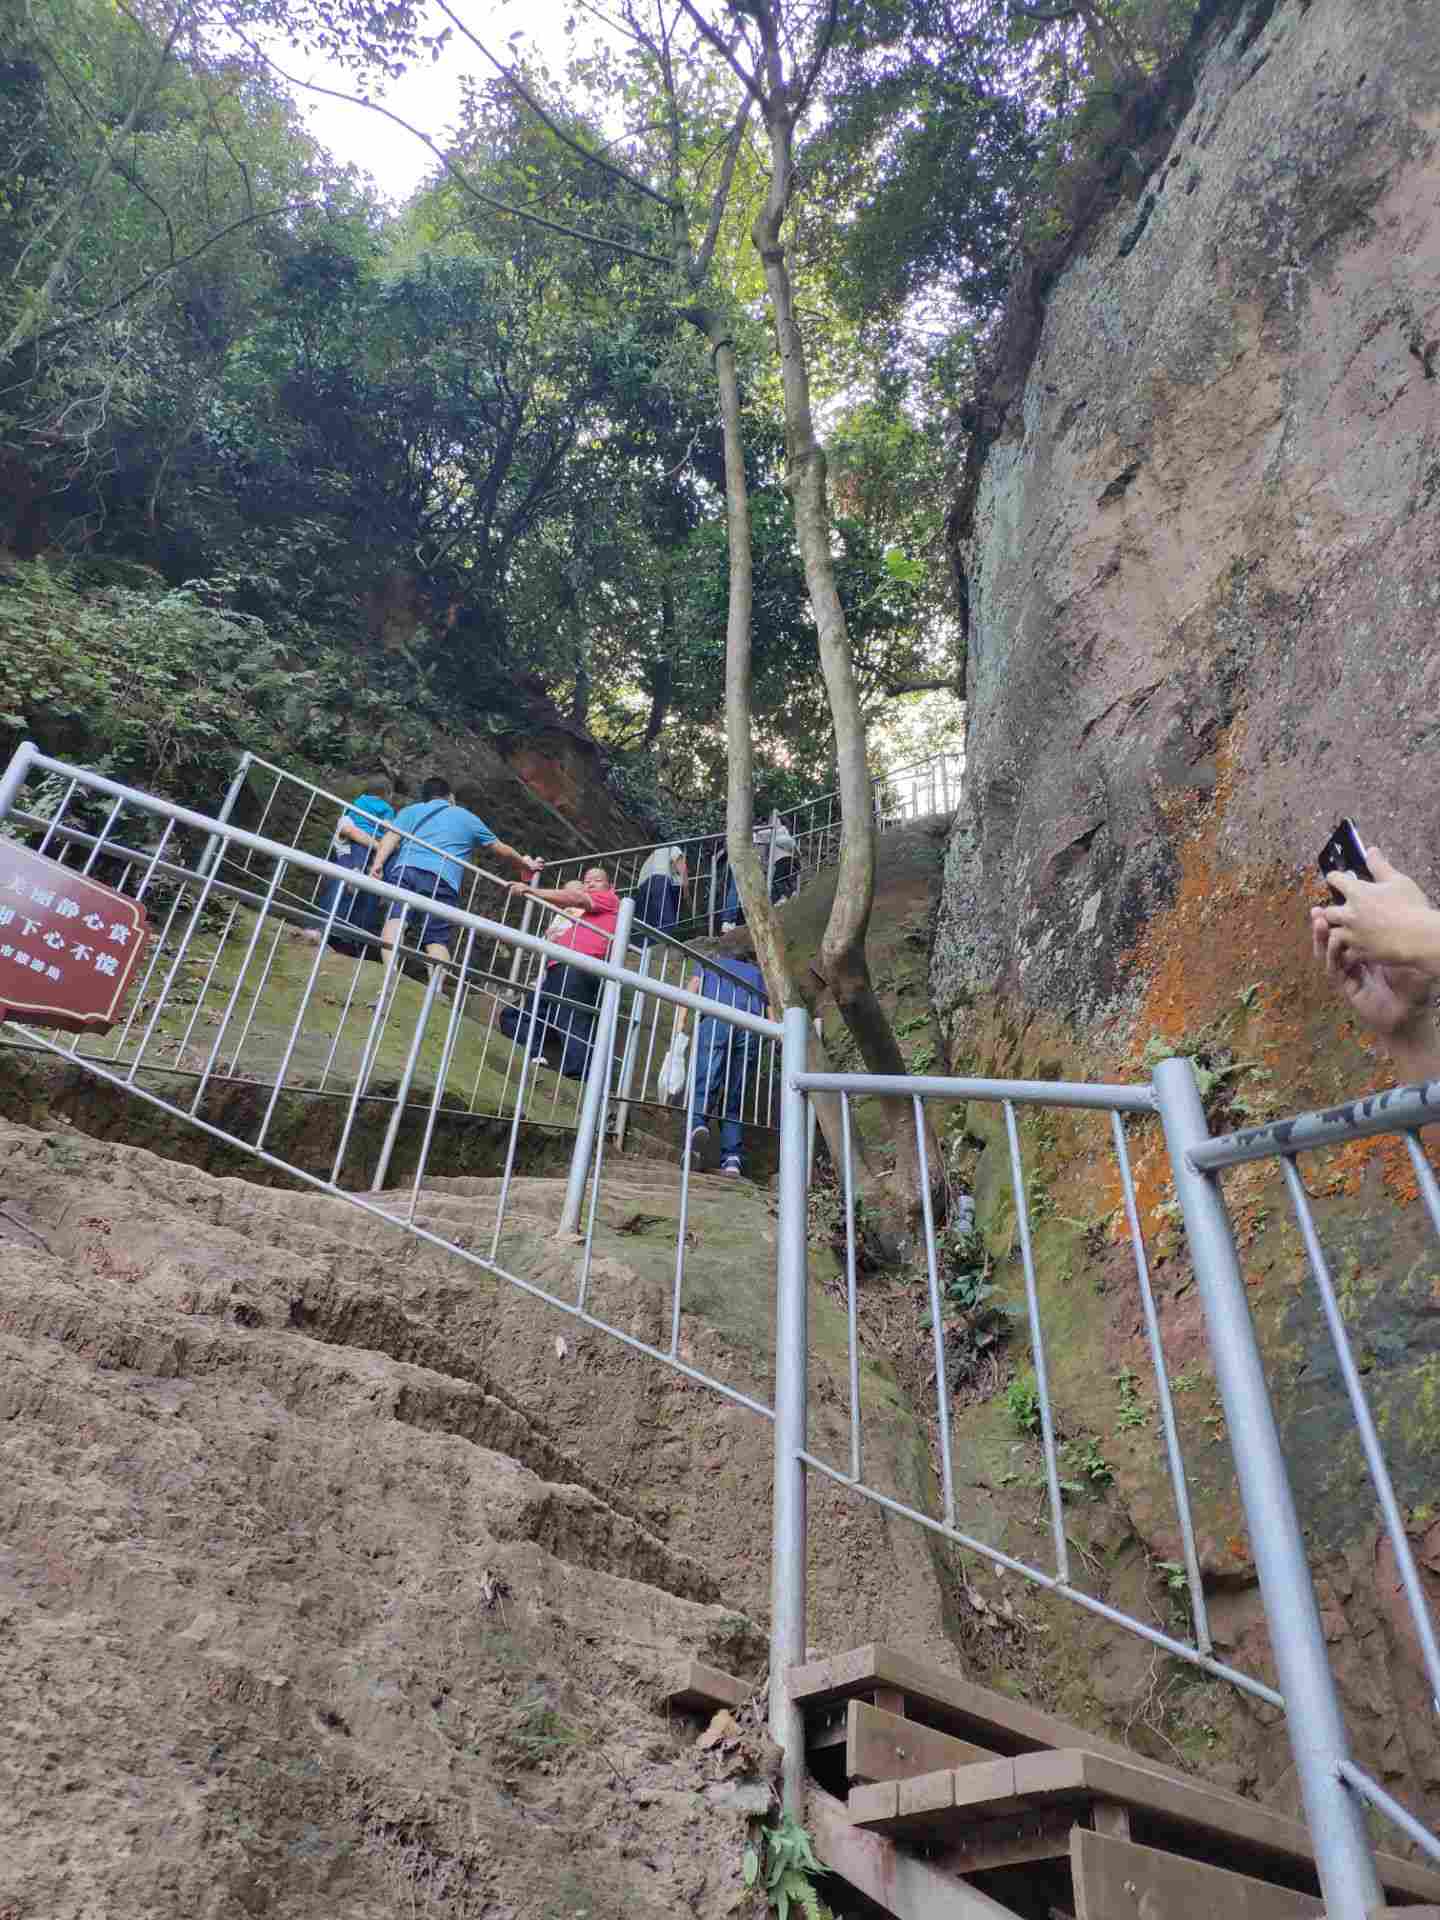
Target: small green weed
x=787 y=1870
x=1133 y=1410
x=1084 y=1457
x=1022 y=1402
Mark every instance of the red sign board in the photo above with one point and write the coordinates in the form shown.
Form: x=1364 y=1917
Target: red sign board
x=68 y=946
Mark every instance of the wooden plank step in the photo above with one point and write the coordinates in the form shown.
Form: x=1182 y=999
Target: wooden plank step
x=886 y=1746
x=696 y=1688
x=1115 y=1880
x=905 y=1887
x=939 y=1699
x=1195 y=1814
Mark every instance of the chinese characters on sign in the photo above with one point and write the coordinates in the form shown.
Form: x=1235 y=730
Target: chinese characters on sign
x=68 y=946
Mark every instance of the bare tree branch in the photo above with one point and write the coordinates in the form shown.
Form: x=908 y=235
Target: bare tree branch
x=522 y=92
x=179 y=260
x=722 y=190
x=718 y=42
x=456 y=174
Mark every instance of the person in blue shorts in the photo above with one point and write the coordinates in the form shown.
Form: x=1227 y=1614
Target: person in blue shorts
x=429 y=839
x=725 y=1056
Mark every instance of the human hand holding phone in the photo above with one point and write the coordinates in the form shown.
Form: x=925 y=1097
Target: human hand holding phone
x=1377 y=913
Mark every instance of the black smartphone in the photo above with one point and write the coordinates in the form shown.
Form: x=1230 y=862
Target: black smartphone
x=1344 y=851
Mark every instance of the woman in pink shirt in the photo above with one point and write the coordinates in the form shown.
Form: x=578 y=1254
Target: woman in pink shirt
x=568 y=996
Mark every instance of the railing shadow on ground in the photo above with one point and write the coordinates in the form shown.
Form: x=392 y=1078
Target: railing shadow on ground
x=141 y=844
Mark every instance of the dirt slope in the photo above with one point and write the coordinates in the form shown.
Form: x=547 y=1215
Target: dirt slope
x=335 y=1581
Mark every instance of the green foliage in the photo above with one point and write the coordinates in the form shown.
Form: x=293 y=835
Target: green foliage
x=1022 y=1402
x=161 y=686
x=1085 y=1457
x=786 y=1871
x=1133 y=1410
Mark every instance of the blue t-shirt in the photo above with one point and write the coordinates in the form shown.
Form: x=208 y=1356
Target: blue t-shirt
x=720 y=986
x=370 y=814
x=454 y=830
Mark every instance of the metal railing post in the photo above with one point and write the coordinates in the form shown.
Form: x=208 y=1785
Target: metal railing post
x=788 y=1544
x=15 y=776
x=597 y=1078
x=632 y=1048
x=402 y=1092
x=1343 y=1855
x=770 y=860
x=210 y=851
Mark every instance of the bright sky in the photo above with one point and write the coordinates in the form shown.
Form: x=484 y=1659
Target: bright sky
x=428 y=95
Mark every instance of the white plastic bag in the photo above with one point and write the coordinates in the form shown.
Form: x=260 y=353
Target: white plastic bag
x=670 y=1080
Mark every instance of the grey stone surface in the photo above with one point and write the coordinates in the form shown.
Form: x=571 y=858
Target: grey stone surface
x=1213 y=519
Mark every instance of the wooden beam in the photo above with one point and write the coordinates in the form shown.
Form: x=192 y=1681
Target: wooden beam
x=942 y=1699
x=983 y=1790
x=1187 y=1803
x=884 y=1746
x=1115 y=1880
x=906 y=1888
x=696 y=1688
x=1010 y=1843
x=1108 y=1816
x=889 y=1700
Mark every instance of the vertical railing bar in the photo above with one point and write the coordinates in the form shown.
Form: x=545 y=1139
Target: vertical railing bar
x=490 y=1020
x=295 y=1027
x=260 y=987
x=937 y=1317
x=1364 y=1421
x=595 y=1176
x=244 y=968
x=1424 y=1177
x=204 y=992
x=851 y=1302
x=503 y=1197
x=360 y=964
x=684 y=1221
x=407 y=1077
x=1037 y=1343
x=101 y=838
x=385 y=993
x=137 y=998
x=181 y=950
x=788 y=1541
x=452 y=1031
x=1179 y=1486
x=58 y=816
x=1344 y=1855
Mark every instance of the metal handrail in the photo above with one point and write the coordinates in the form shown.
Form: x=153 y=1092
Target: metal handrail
x=1334 y=1789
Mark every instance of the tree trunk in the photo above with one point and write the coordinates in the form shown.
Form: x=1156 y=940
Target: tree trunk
x=842 y=960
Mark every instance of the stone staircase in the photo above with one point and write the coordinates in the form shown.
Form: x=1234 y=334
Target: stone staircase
x=937 y=1799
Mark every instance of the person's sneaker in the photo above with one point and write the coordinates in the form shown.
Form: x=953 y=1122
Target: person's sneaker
x=730 y=1165
x=699 y=1141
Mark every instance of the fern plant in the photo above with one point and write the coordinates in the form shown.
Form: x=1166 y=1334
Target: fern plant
x=789 y=1868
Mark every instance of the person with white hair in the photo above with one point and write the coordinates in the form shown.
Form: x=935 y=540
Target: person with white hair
x=657 y=892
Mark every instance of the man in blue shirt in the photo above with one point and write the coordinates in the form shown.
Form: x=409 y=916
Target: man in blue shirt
x=434 y=836
x=725 y=1056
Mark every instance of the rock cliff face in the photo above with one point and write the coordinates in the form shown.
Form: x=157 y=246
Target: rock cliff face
x=1204 y=594
x=1207 y=533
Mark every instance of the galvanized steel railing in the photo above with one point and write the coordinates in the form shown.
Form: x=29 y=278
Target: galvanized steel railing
x=295 y=812
x=1333 y=1785
x=501 y=963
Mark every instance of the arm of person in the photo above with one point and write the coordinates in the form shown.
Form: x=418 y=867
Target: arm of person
x=526 y=862
x=389 y=841
x=1392 y=1002
x=347 y=830
x=1386 y=919
x=682 y=1014
x=570 y=895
